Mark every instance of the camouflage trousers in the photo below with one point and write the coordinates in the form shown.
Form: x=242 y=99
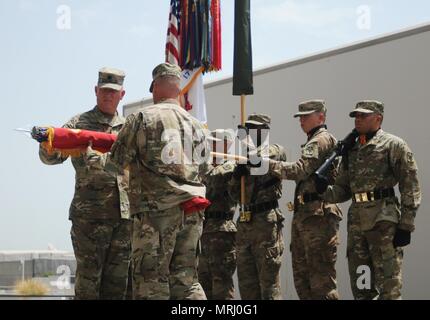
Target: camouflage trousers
x=217 y=264
x=165 y=248
x=129 y=291
x=260 y=246
x=102 y=249
x=374 y=250
x=313 y=258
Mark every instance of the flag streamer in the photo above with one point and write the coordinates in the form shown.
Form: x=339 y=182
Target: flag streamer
x=194 y=43
x=194 y=34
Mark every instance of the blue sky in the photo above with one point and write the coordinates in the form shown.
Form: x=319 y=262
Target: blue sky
x=49 y=73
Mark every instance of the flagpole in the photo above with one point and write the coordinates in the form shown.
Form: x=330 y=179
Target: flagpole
x=242 y=69
x=242 y=120
x=228 y=156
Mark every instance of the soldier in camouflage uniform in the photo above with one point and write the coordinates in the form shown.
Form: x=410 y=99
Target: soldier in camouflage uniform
x=315 y=226
x=161 y=144
x=217 y=262
x=378 y=225
x=259 y=237
x=101 y=228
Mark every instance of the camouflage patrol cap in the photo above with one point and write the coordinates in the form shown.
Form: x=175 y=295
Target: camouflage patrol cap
x=258 y=119
x=111 y=78
x=165 y=69
x=220 y=135
x=368 y=106
x=311 y=106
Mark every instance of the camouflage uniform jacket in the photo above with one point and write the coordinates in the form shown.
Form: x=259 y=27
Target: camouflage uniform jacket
x=255 y=189
x=217 y=192
x=98 y=194
x=314 y=152
x=161 y=145
x=383 y=162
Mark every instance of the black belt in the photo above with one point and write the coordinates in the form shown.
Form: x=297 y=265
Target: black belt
x=219 y=215
x=261 y=207
x=308 y=197
x=377 y=194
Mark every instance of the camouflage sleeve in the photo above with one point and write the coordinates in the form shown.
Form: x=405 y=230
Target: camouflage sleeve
x=97 y=160
x=206 y=178
x=406 y=172
x=340 y=191
x=56 y=158
x=277 y=153
x=233 y=187
x=302 y=168
x=124 y=150
x=205 y=171
x=206 y=167
x=227 y=176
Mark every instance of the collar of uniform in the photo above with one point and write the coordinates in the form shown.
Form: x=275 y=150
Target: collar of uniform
x=374 y=137
x=107 y=119
x=170 y=101
x=316 y=130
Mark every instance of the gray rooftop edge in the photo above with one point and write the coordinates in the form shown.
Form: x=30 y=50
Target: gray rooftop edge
x=403 y=33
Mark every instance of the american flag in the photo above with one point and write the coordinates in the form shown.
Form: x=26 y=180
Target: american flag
x=172 y=43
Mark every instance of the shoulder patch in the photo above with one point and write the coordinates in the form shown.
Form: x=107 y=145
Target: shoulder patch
x=410 y=158
x=310 y=150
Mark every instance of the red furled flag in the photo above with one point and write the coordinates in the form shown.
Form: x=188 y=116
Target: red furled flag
x=72 y=142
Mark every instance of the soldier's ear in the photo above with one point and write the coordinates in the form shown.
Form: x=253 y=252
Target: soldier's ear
x=122 y=94
x=95 y=90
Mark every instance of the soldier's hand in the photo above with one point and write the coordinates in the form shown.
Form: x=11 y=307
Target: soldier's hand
x=401 y=238
x=91 y=157
x=258 y=162
x=253 y=165
x=242 y=131
x=240 y=171
x=254 y=160
x=40 y=134
x=334 y=241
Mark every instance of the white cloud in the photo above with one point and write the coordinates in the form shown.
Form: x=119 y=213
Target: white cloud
x=302 y=14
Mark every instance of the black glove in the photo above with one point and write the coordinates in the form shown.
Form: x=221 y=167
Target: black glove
x=240 y=171
x=401 y=238
x=242 y=131
x=321 y=184
x=253 y=155
x=253 y=165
